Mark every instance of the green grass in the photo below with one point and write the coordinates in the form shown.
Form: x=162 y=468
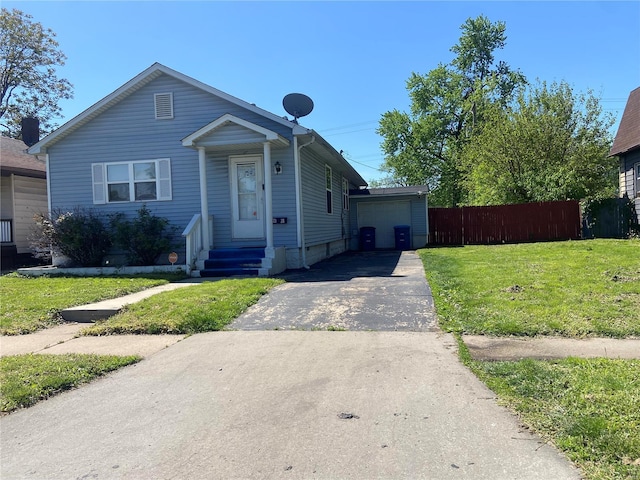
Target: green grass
x=589 y=408
x=29 y=304
x=27 y=379
x=200 y=308
x=572 y=289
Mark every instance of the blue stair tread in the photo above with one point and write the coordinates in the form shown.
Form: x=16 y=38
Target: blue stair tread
x=236 y=253
x=229 y=262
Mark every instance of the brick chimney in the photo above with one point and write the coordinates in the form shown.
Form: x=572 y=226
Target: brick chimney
x=30 y=131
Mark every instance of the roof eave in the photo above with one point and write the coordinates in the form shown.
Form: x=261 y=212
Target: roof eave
x=131 y=86
x=354 y=176
x=613 y=153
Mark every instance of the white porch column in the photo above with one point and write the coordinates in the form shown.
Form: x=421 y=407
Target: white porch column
x=268 y=197
x=204 y=203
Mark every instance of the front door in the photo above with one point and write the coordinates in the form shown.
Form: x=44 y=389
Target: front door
x=247 y=197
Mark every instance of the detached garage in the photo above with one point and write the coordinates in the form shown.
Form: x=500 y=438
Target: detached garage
x=389 y=218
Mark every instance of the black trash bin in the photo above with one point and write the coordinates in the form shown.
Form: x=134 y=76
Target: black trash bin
x=403 y=237
x=367 y=238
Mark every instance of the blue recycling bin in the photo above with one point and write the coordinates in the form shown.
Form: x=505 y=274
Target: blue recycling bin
x=367 y=238
x=403 y=237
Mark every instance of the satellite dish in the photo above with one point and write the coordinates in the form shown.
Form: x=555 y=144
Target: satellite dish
x=298 y=105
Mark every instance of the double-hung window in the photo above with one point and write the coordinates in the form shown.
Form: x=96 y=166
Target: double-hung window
x=329 y=185
x=345 y=194
x=139 y=181
x=637 y=179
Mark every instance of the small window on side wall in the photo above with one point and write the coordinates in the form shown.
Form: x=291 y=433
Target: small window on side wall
x=345 y=194
x=329 y=186
x=637 y=180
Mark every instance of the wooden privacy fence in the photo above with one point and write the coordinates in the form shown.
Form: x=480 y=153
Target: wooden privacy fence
x=528 y=222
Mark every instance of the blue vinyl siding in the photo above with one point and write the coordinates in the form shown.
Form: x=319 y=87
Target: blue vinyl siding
x=128 y=131
x=320 y=226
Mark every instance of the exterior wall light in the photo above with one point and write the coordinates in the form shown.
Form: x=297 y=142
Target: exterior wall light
x=277 y=168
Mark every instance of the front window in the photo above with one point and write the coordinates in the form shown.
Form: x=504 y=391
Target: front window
x=132 y=181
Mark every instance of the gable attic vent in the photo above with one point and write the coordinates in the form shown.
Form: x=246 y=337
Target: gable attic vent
x=164 y=105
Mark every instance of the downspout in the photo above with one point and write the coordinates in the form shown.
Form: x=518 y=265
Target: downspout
x=299 y=209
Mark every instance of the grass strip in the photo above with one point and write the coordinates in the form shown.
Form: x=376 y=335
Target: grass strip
x=206 y=307
x=27 y=379
x=32 y=303
x=572 y=289
x=589 y=408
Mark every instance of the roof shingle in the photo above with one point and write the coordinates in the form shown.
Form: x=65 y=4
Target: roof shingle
x=628 y=136
x=15 y=159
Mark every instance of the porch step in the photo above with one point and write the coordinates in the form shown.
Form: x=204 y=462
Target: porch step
x=229 y=262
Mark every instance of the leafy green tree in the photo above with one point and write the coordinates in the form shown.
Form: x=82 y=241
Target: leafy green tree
x=551 y=144
x=423 y=146
x=29 y=86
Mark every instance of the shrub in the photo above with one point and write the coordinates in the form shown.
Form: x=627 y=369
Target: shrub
x=79 y=234
x=144 y=238
x=610 y=218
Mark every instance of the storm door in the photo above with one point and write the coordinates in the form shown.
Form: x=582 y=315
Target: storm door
x=247 y=199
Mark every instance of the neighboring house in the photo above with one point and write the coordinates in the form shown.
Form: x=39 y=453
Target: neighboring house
x=240 y=181
x=626 y=147
x=23 y=193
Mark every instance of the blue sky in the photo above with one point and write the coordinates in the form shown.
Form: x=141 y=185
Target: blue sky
x=351 y=58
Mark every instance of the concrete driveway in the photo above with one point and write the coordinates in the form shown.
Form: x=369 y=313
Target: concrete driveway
x=287 y=404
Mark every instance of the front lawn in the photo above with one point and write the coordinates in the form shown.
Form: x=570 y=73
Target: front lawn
x=588 y=408
x=27 y=379
x=581 y=288
x=200 y=308
x=28 y=304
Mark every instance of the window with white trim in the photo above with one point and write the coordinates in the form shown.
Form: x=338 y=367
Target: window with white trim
x=163 y=103
x=637 y=180
x=345 y=194
x=140 y=181
x=329 y=186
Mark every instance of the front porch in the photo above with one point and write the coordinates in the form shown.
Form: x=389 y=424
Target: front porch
x=235 y=168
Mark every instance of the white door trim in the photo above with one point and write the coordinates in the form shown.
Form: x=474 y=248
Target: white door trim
x=247 y=218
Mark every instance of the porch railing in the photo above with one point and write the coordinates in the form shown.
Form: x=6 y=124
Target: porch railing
x=6 y=231
x=193 y=237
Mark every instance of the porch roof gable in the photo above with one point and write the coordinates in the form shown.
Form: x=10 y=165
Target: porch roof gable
x=211 y=134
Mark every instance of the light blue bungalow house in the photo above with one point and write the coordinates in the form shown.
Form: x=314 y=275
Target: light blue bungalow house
x=252 y=192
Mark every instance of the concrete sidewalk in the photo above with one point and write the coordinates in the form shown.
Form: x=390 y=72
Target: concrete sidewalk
x=64 y=339
x=487 y=348
x=282 y=404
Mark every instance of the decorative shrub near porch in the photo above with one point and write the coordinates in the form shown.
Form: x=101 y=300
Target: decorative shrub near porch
x=86 y=238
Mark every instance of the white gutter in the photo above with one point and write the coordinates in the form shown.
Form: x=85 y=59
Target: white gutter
x=299 y=212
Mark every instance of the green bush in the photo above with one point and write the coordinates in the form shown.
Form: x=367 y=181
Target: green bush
x=79 y=234
x=611 y=218
x=143 y=238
